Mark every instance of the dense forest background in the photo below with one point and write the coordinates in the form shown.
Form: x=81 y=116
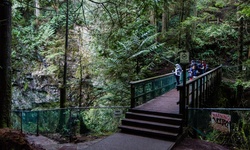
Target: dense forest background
x=85 y=52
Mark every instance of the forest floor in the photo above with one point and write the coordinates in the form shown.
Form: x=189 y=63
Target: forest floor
x=16 y=139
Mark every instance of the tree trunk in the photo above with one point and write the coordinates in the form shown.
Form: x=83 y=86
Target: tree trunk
x=189 y=29
x=241 y=44
x=181 y=19
x=5 y=63
x=63 y=93
x=37 y=12
x=164 y=17
x=152 y=17
x=37 y=6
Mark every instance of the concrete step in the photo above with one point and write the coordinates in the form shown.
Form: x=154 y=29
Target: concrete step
x=152 y=125
x=155 y=113
x=153 y=118
x=149 y=132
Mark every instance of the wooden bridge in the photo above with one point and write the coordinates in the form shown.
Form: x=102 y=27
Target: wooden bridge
x=159 y=109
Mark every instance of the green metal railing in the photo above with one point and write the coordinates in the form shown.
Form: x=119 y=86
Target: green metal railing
x=199 y=91
x=69 y=121
x=225 y=126
x=147 y=89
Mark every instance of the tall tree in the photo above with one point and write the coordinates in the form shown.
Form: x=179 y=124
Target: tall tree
x=63 y=91
x=5 y=63
x=165 y=16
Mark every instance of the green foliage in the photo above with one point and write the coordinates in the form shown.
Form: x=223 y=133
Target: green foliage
x=101 y=121
x=27 y=51
x=124 y=43
x=245 y=9
x=220 y=3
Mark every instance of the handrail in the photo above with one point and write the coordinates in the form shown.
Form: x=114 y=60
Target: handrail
x=152 y=78
x=48 y=121
x=147 y=89
x=199 y=91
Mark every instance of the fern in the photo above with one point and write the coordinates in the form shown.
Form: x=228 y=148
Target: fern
x=140 y=53
x=45 y=32
x=52 y=69
x=52 y=56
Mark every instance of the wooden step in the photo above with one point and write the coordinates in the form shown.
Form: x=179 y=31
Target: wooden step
x=155 y=113
x=152 y=125
x=153 y=118
x=149 y=133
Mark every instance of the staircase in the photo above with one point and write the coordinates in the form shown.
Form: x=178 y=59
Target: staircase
x=152 y=124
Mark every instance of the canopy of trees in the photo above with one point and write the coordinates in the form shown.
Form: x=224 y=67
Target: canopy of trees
x=85 y=52
x=110 y=43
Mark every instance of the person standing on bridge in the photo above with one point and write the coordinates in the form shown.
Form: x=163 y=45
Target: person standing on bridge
x=177 y=73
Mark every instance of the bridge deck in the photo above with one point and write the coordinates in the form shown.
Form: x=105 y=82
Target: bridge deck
x=166 y=103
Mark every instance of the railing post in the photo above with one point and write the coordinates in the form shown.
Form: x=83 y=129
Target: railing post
x=144 y=91
x=132 y=88
x=181 y=100
x=192 y=95
x=200 y=89
x=70 y=125
x=21 y=121
x=196 y=94
x=183 y=97
x=153 y=88
x=37 y=123
x=203 y=89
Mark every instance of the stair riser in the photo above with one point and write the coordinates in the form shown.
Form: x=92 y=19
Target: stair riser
x=153 y=119
x=152 y=126
x=151 y=134
x=156 y=113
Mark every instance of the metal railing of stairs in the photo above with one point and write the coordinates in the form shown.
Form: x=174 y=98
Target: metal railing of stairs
x=195 y=93
x=147 y=89
x=199 y=91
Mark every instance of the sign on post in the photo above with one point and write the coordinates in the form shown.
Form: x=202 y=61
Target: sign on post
x=184 y=57
x=221 y=122
x=117 y=113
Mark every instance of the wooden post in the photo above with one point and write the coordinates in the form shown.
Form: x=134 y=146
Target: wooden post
x=132 y=103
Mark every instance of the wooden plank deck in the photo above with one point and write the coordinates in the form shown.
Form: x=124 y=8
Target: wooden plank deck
x=166 y=103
